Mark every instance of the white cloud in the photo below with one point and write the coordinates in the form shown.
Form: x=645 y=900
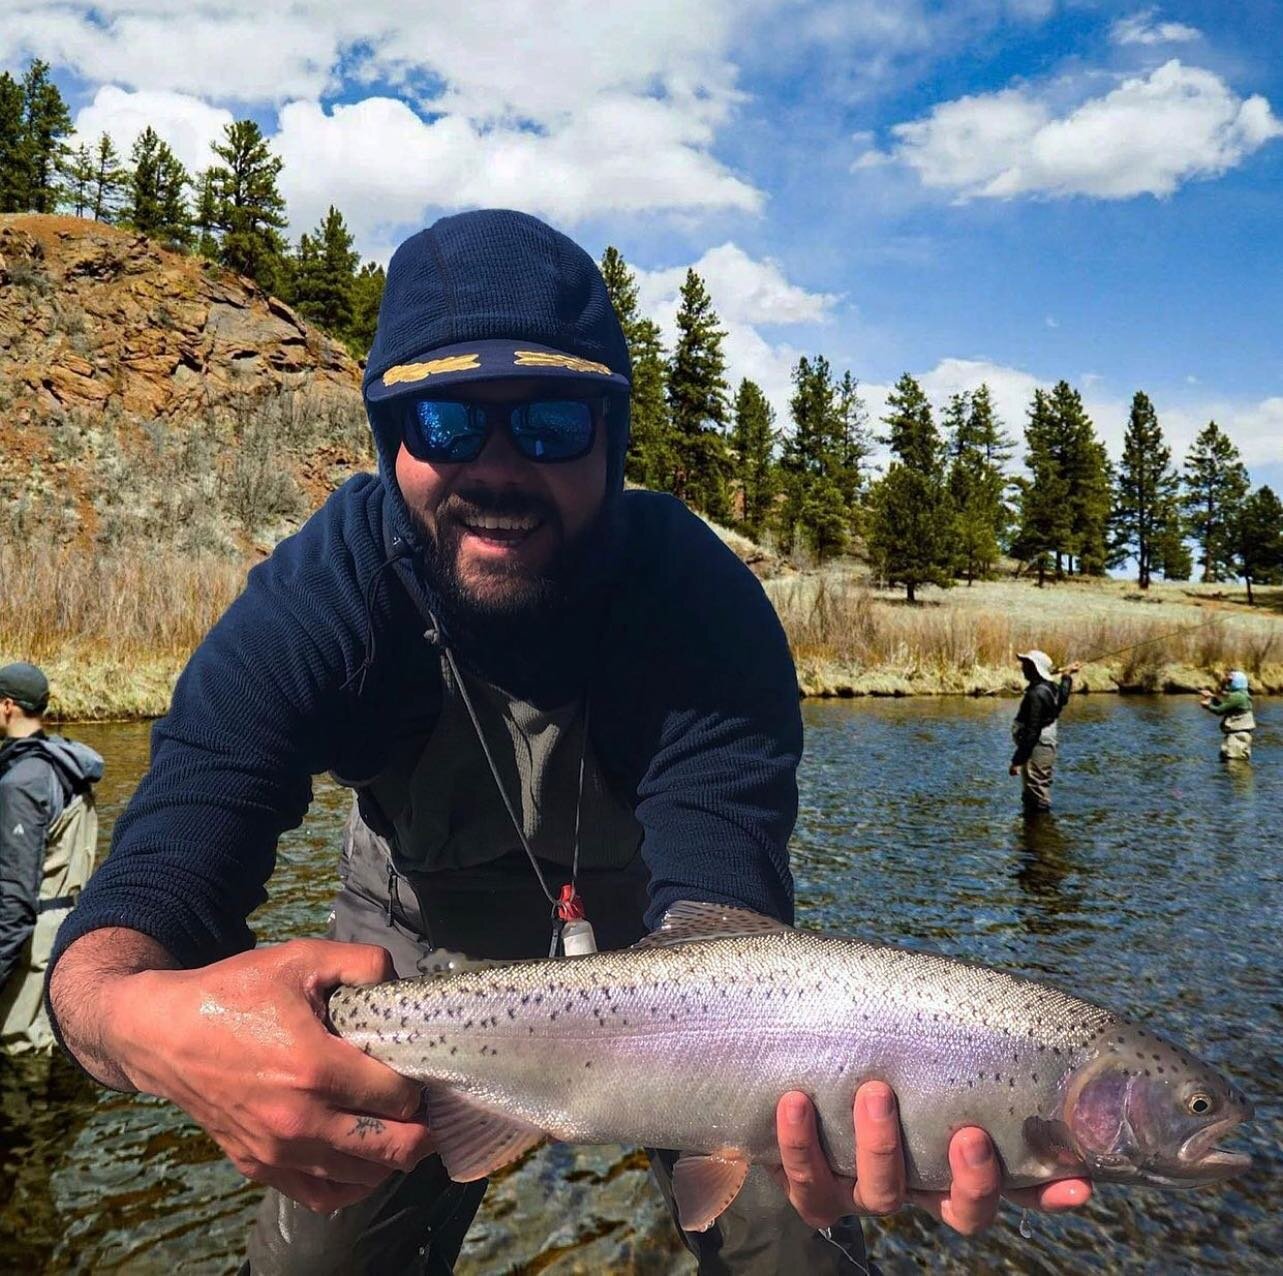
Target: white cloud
x=1142 y=28
x=385 y=166
x=561 y=106
x=746 y=293
x=186 y=123
x=1146 y=136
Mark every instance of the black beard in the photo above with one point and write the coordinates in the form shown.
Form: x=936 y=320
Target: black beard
x=516 y=595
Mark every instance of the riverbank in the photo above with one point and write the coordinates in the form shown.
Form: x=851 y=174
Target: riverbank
x=849 y=639
x=114 y=632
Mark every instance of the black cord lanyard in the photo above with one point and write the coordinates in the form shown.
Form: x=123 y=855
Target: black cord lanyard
x=567 y=905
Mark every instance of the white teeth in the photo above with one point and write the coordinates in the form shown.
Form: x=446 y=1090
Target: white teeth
x=496 y=523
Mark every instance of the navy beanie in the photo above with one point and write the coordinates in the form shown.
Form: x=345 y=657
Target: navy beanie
x=494 y=294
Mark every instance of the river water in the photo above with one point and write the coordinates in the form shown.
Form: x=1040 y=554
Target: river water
x=1154 y=889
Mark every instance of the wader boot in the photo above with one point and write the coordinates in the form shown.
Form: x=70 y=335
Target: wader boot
x=416 y=1222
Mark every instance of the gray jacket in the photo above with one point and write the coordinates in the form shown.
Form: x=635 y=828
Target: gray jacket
x=39 y=775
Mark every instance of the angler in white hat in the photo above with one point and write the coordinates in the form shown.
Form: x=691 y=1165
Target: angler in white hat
x=1034 y=729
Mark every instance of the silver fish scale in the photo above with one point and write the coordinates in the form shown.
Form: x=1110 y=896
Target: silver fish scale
x=690 y=1046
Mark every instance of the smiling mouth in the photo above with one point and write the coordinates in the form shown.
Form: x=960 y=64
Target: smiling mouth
x=504 y=529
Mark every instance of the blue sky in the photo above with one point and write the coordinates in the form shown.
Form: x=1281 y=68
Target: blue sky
x=1004 y=190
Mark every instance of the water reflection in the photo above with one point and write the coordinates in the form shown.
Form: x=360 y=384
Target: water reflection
x=1155 y=887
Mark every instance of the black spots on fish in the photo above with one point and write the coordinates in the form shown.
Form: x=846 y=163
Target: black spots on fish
x=525 y=1000
x=468 y=1024
x=553 y=1015
x=1034 y=1076
x=587 y=1063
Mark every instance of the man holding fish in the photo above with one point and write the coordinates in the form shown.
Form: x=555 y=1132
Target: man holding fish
x=550 y=697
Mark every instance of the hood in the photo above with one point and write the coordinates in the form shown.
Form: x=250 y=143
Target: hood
x=472 y=288
x=78 y=763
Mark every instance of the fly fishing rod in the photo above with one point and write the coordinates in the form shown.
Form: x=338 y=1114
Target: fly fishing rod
x=1131 y=646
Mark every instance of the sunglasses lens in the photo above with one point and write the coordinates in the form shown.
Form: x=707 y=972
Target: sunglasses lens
x=554 y=429
x=439 y=430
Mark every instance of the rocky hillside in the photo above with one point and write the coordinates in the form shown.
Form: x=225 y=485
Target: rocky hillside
x=147 y=395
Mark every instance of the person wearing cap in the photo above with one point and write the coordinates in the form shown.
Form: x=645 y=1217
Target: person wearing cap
x=1035 y=729
x=1234 y=708
x=533 y=682
x=48 y=832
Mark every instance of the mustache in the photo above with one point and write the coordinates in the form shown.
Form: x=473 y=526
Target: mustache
x=473 y=503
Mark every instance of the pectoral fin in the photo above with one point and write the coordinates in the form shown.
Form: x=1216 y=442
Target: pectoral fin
x=704 y=1186
x=474 y=1140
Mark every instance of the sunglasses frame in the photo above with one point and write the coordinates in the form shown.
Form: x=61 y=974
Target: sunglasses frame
x=507 y=414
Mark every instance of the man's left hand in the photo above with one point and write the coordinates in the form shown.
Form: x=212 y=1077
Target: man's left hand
x=969 y=1206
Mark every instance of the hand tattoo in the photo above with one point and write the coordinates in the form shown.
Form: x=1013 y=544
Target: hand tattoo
x=367 y=1125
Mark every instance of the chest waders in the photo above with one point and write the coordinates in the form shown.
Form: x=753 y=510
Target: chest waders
x=434 y=869
x=70 y=844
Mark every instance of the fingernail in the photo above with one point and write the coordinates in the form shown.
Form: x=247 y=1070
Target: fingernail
x=795 y=1111
x=977 y=1152
x=879 y=1104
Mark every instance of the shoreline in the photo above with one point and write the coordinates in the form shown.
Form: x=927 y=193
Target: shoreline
x=103 y=688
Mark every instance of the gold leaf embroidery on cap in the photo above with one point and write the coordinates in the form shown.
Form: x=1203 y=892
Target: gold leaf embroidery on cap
x=540 y=359
x=421 y=371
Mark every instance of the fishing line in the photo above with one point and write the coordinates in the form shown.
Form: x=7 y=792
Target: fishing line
x=1171 y=633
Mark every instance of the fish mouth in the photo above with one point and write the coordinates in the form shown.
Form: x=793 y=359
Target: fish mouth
x=1200 y=1159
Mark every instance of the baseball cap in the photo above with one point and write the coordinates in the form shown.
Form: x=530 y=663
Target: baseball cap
x=25 y=685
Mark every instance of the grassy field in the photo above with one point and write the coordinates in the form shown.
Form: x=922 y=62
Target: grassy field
x=850 y=639
x=114 y=631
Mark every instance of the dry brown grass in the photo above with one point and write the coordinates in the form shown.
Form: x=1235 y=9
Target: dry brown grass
x=960 y=643
x=111 y=631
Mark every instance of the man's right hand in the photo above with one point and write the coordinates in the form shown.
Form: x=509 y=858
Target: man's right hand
x=242 y=1047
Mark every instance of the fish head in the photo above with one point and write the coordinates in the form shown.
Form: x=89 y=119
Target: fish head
x=1142 y=1110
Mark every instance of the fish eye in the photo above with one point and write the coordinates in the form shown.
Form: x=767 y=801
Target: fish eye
x=1199 y=1104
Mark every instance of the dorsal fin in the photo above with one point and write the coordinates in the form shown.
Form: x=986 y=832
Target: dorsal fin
x=689 y=920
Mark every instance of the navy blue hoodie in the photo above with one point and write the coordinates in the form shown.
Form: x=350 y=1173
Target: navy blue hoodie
x=322 y=665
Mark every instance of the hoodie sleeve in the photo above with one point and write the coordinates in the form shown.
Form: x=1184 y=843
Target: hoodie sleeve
x=25 y=813
x=707 y=706
x=258 y=711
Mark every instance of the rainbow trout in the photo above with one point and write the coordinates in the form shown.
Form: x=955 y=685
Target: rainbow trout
x=687 y=1041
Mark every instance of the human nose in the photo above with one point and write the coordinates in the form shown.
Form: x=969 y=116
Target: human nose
x=499 y=460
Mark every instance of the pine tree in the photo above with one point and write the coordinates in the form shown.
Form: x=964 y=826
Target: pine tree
x=911 y=528
x=1146 y=493
x=621 y=287
x=753 y=445
x=978 y=449
x=697 y=403
x=324 y=276
x=205 y=224
x=854 y=443
x=110 y=181
x=1084 y=466
x=650 y=461
x=1258 y=540
x=367 y=293
x=77 y=180
x=911 y=432
x=814 y=478
x=1044 y=524
x=13 y=184
x=157 y=192
x=1171 y=554
x=250 y=208
x=42 y=148
x=1215 y=484
x=651 y=452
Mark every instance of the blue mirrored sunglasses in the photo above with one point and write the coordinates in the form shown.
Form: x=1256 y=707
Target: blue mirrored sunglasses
x=542 y=429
